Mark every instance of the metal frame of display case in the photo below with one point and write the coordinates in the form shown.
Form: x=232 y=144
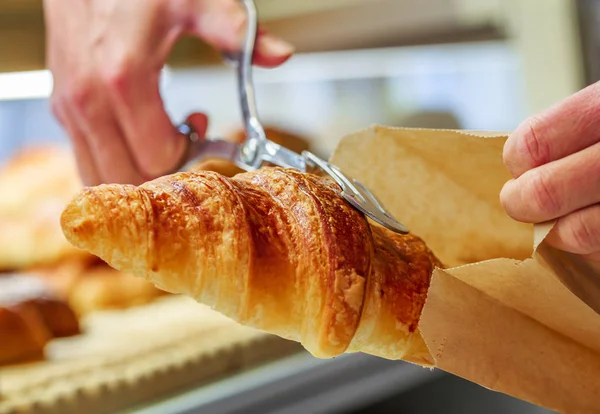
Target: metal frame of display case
x=588 y=14
x=299 y=384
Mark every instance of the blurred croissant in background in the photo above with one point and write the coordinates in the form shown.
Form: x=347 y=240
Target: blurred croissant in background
x=37 y=183
x=47 y=285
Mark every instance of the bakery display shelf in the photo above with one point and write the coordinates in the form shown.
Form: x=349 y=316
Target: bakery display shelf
x=127 y=357
x=298 y=383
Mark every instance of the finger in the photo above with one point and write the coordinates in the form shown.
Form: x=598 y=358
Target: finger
x=578 y=232
x=223 y=25
x=95 y=118
x=85 y=162
x=130 y=58
x=153 y=140
x=555 y=189
x=271 y=51
x=61 y=61
x=199 y=122
x=564 y=129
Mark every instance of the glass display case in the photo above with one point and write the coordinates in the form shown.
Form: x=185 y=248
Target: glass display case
x=322 y=96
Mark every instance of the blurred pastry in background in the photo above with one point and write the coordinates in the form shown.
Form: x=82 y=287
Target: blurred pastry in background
x=92 y=285
x=286 y=139
x=64 y=275
x=103 y=287
x=32 y=239
x=35 y=186
x=30 y=316
x=37 y=174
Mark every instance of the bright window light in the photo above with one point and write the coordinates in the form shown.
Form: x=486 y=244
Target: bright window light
x=38 y=84
x=25 y=85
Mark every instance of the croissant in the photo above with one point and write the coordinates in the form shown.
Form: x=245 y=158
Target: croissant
x=274 y=249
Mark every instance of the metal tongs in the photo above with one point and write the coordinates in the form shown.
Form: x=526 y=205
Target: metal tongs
x=258 y=150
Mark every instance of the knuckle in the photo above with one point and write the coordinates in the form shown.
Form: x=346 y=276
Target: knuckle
x=162 y=5
x=80 y=94
x=173 y=8
x=544 y=194
x=183 y=6
x=183 y=12
x=534 y=146
x=584 y=237
x=117 y=78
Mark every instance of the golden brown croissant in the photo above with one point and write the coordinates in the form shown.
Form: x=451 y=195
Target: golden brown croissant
x=274 y=249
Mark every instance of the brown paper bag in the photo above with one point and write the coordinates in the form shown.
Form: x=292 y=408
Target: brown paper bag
x=509 y=313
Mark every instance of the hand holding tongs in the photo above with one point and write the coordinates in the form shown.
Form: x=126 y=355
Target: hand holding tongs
x=257 y=149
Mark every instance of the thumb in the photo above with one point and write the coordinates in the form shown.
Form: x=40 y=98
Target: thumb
x=223 y=24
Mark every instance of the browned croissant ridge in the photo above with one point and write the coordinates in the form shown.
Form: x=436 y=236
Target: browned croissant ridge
x=275 y=249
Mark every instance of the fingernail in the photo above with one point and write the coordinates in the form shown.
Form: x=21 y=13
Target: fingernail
x=274 y=46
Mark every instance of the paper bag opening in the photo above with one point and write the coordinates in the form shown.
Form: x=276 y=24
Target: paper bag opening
x=507 y=312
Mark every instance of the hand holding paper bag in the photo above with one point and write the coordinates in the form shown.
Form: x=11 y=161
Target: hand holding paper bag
x=554 y=159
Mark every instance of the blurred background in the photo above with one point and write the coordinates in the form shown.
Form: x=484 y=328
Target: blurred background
x=469 y=64
x=441 y=63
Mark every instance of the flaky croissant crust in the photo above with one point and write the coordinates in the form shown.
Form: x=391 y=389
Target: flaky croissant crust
x=275 y=249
